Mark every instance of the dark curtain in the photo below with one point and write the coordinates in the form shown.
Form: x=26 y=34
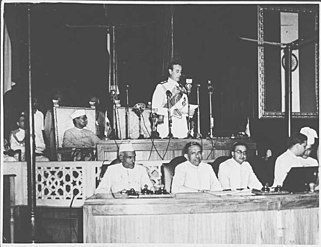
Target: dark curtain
x=168 y=38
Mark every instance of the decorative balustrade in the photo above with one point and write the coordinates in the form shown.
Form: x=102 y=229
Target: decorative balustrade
x=65 y=183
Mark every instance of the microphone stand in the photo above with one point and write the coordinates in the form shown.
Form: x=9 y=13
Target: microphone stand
x=141 y=136
x=127 y=114
x=189 y=90
x=198 y=133
x=210 y=93
x=170 y=134
x=153 y=118
x=113 y=96
x=139 y=109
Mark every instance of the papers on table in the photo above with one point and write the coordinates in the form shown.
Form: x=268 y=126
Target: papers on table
x=192 y=109
x=245 y=192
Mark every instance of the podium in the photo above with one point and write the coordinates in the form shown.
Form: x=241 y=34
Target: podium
x=133 y=123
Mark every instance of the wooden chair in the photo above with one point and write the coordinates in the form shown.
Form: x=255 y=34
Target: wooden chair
x=216 y=163
x=14 y=153
x=62 y=122
x=104 y=168
x=168 y=170
x=77 y=154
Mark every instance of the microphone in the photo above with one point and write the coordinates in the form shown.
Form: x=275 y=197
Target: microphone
x=210 y=86
x=189 y=85
x=168 y=93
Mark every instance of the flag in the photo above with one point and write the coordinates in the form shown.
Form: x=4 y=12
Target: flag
x=286 y=27
x=109 y=60
x=247 y=128
x=7 y=80
x=289 y=32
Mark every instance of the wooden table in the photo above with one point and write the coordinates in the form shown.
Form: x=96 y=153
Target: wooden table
x=204 y=218
x=167 y=149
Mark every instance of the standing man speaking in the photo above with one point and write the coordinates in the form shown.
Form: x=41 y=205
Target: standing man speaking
x=170 y=96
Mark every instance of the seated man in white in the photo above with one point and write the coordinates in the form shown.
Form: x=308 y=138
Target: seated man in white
x=17 y=137
x=79 y=136
x=194 y=175
x=39 y=132
x=290 y=158
x=236 y=172
x=311 y=134
x=126 y=175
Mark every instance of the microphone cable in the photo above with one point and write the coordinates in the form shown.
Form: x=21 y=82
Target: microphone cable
x=71 y=228
x=213 y=147
x=152 y=140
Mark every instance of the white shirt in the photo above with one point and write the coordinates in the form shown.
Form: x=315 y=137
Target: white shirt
x=118 y=178
x=17 y=141
x=283 y=165
x=308 y=162
x=39 y=127
x=18 y=144
x=233 y=175
x=191 y=178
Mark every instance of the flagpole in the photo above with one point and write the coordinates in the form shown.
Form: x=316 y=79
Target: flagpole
x=30 y=145
x=288 y=90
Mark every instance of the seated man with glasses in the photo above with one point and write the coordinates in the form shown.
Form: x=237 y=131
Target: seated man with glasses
x=236 y=172
x=78 y=136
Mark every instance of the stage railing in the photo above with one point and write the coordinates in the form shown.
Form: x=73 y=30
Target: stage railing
x=65 y=183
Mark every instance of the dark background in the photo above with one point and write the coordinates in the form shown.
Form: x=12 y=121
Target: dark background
x=75 y=60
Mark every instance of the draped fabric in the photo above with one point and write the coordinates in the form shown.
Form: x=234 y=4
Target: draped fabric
x=7 y=62
x=277 y=29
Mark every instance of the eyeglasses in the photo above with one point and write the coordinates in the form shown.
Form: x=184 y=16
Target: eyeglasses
x=241 y=152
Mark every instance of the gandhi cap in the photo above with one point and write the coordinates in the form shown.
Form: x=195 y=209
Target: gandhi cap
x=310 y=134
x=126 y=147
x=78 y=113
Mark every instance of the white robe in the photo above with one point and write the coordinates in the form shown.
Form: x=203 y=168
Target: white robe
x=283 y=165
x=191 y=178
x=233 y=175
x=118 y=178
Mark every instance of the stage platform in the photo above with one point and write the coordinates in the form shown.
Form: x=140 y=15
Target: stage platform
x=167 y=149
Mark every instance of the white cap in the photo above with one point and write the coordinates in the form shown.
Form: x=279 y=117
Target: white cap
x=310 y=134
x=78 y=113
x=126 y=147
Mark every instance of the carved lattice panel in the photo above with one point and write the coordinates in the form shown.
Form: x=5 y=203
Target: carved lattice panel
x=59 y=183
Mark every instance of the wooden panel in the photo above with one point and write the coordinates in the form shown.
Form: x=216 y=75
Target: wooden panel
x=254 y=227
x=204 y=218
x=147 y=149
x=53 y=225
x=133 y=123
x=204 y=202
